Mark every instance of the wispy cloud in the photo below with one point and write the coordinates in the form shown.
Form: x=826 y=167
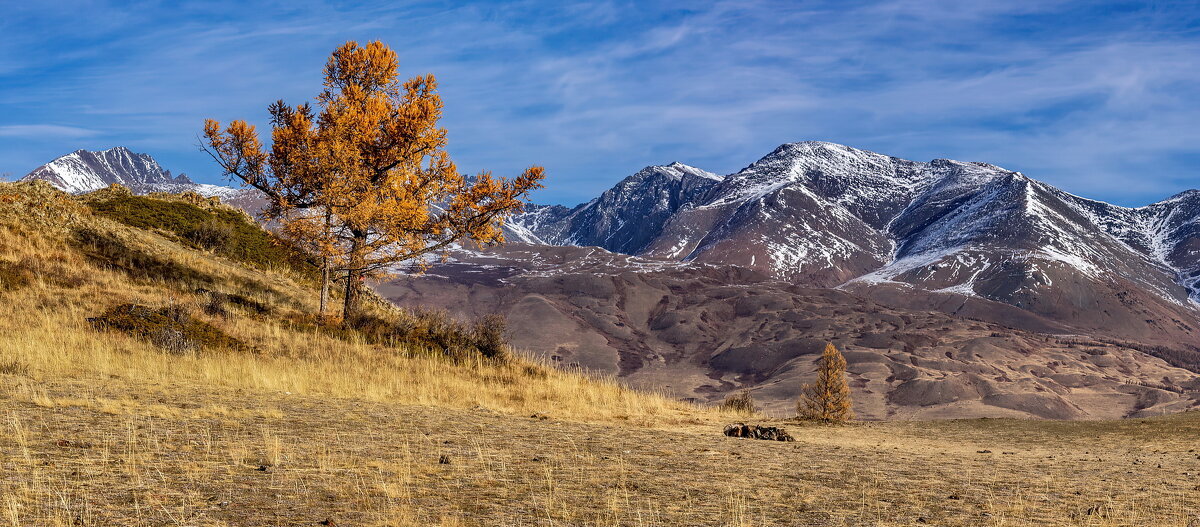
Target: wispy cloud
x=39 y=131
x=1092 y=96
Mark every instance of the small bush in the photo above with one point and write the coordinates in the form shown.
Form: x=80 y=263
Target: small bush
x=490 y=335
x=215 y=305
x=211 y=234
x=486 y=337
x=741 y=403
x=170 y=328
x=173 y=340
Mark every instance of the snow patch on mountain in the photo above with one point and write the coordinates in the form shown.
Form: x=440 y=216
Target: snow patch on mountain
x=625 y=217
x=1161 y=232
x=679 y=171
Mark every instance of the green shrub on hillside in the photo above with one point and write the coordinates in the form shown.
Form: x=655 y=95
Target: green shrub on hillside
x=169 y=328
x=212 y=234
x=224 y=231
x=486 y=337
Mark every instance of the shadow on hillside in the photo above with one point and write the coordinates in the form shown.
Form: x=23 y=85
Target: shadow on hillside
x=108 y=250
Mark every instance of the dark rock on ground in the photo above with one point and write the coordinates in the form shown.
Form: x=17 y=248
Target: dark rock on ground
x=768 y=433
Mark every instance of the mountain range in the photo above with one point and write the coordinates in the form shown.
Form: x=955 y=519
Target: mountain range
x=826 y=215
x=83 y=171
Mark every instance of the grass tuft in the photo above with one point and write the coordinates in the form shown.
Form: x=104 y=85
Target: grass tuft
x=14 y=367
x=741 y=403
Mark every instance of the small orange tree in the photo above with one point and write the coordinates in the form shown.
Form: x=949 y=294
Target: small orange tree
x=828 y=398
x=373 y=166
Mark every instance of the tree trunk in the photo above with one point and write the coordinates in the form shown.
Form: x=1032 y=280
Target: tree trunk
x=326 y=272
x=324 y=312
x=354 y=278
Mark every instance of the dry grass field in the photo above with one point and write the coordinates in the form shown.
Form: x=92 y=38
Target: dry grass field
x=112 y=452
x=309 y=427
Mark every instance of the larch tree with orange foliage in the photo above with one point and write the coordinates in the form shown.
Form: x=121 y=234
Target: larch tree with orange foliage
x=367 y=179
x=828 y=398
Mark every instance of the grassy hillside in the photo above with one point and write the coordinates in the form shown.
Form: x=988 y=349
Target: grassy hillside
x=147 y=378
x=66 y=260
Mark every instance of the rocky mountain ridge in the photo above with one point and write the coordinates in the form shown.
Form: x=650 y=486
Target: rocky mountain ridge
x=84 y=171
x=877 y=207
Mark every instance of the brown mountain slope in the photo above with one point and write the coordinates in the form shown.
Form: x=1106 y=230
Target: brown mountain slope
x=702 y=332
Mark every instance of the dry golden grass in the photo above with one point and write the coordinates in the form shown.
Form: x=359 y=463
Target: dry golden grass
x=114 y=452
x=102 y=429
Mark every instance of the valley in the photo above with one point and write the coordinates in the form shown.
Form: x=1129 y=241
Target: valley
x=957 y=289
x=705 y=331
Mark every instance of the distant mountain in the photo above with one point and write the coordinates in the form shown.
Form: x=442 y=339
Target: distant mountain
x=827 y=215
x=84 y=171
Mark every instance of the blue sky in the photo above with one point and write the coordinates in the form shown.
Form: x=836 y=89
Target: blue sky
x=1099 y=98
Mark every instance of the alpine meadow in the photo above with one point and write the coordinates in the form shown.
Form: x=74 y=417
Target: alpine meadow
x=327 y=322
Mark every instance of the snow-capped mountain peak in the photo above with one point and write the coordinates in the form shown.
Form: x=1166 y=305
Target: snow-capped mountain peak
x=84 y=171
x=625 y=217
